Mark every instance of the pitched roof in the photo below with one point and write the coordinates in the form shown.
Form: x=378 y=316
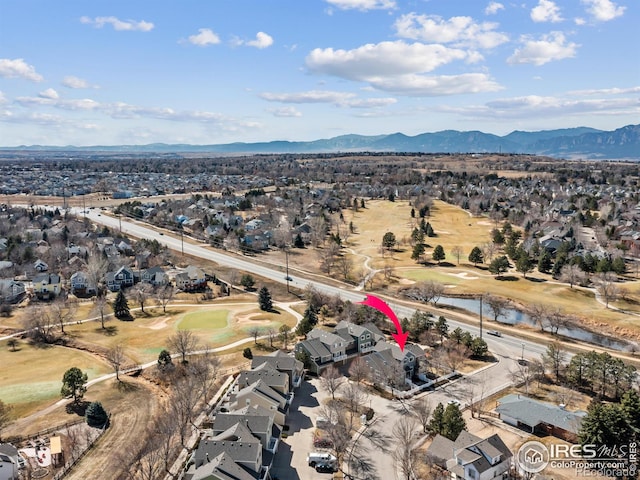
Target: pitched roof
x=315 y=348
x=222 y=467
x=270 y=376
x=331 y=340
x=532 y=412
x=255 y=423
x=279 y=362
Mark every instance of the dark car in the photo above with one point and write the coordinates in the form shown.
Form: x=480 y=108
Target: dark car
x=325 y=468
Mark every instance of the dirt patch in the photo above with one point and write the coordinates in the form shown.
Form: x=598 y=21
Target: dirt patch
x=159 y=323
x=464 y=275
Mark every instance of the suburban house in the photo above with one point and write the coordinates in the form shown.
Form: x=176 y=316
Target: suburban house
x=11 y=291
x=284 y=363
x=245 y=433
x=121 y=278
x=81 y=286
x=347 y=339
x=539 y=417
x=390 y=365
x=259 y=393
x=191 y=279
x=47 y=285
x=155 y=276
x=470 y=457
x=277 y=380
x=40 y=266
x=9 y=462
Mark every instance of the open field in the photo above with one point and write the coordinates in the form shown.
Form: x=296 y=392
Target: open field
x=32 y=376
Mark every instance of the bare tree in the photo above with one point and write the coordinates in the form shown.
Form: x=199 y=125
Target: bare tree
x=388 y=271
x=327 y=256
x=97 y=266
x=142 y=293
x=164 y=295
x=182 y=404
x=183 y=342
x=318 y=230
x=554 y=359
x=572 y=274
x=100 y=305
x=404 y=454
x=62 y=311
x=6 y=416
x=358 y=371
x=606 y=287
x=148 y=461
x=522 y=374
x=354 y=396
x=455 y=355
x=426 y=292
x=556 y=320
x=331 y=380
x=115 y=356
x=539 y=313
x=205 y=370
x=255 y=333
x=457 y=252
x=272 y=333
x=345 y=266
x=497 y=305
x=421 y=409
x=488 y=251
x=40 y=324
x=284 y=335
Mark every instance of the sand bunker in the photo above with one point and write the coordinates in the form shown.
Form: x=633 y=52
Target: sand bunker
x=464 y=275
x=159 y=324
x=249 y=318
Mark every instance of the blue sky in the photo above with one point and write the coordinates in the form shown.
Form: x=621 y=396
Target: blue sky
x=74 y=72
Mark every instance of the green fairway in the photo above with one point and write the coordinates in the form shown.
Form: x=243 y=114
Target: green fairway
x=204 y=320
x=32 y=376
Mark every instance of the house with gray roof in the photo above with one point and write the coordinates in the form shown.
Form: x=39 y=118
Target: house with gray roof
x=258 y=420
x=245 y=451
x=470 y=457
x=540 y=417
x=284 y=363
x=277 y=380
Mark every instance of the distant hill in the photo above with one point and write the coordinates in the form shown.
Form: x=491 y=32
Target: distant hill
x=581 y=142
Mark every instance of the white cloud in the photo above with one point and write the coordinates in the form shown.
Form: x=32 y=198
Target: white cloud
x=75 y=82
x=546 y=11
x=284 y=112
x=381 y=59
x=493 y=8
x=436 y=85
x=49 y=93
x=339 y=99
x=579 y=21
x=531 y=106
x=18 y=68
x=603 y=10
x=461 y=31
x=204 y=37
x=550 y=47
x=363 y=5
x=607 y=91
x=262 y=40
x=117 y=24
x=3 y=99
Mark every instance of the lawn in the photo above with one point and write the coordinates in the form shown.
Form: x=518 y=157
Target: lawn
x=206 y=319
x=32 y=377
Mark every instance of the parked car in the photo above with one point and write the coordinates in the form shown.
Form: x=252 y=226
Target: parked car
x=325 y=468
x=320 y=458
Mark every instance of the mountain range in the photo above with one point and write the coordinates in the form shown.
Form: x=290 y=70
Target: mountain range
x=571 y=143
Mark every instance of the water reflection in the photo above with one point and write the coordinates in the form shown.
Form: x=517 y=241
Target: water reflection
x=513 y=316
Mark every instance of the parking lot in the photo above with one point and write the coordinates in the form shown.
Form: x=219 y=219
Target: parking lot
x=373 y=447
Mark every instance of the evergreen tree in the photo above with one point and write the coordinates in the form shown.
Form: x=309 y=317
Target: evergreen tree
x=303 y=327
x=164 y=360
x=96 y=415
x=544 y=262
x=478 y=347
x=499 y=265
x=311 y=316
x=438 y=254
x=618 y=266
x=389 y=240
x=475 y=256
x=429 y=231
x=453 y=423
x=298 y=242
x=631 y=406
x=436 y=425
x=418 y=251
x=413 y=213
x=442 y=327
x=247 y=281
x=247 y=353
x=73 y=383
x=264 y=300
x=121 y=306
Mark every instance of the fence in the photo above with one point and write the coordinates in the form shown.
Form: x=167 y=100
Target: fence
x=42 y=433
x=69 y=465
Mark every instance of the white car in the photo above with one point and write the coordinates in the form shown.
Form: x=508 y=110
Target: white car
x=317 y=458
x=495 y=333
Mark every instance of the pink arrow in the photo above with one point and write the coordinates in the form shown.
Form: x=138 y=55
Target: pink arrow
x=380 y=305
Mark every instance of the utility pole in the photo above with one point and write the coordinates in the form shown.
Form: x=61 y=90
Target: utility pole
x=286 y=256
x=480 y=316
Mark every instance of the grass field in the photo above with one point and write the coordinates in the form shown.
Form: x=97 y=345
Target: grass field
x=32 y=376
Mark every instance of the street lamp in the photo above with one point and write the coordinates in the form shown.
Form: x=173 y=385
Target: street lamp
x=286 y=256
x=481 y=317
x=522 y=356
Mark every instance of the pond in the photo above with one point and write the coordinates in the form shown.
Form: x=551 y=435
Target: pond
x=513 y=316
